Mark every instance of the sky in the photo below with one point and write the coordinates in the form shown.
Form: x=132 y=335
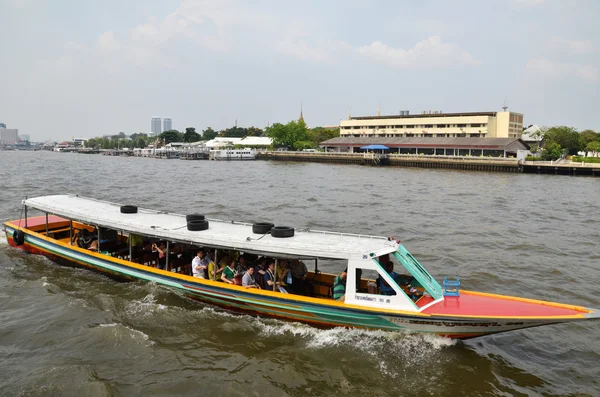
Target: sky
x=73 y=68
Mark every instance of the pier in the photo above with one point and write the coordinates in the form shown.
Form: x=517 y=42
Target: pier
x=493 y=164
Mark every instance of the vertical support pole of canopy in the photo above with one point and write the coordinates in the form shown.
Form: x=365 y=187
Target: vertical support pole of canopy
x=275 y=276
x=46 y=224
x=130 y=247
x=216 y=264
x=167 y=260
x=71 y=230
x=316 y=266
x=25 y=214
x=98 y=245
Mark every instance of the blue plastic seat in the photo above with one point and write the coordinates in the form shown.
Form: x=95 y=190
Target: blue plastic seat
x=451 y=287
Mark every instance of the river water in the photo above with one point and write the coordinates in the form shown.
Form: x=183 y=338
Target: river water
x=73 y=332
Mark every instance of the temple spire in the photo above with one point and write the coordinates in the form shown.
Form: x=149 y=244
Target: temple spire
x=378 y=110
x=301 y=115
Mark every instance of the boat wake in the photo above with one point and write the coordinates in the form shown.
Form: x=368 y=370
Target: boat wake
x=123 y=332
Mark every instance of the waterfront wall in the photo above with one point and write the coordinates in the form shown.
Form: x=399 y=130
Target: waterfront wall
x=494 y=164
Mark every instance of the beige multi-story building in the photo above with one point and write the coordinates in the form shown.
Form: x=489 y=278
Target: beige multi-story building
x=436 y=124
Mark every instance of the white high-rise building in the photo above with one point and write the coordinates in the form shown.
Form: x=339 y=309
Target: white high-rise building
x=167 y=124
x=155 y=125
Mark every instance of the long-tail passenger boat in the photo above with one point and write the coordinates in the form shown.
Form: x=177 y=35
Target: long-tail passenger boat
x=418 y=304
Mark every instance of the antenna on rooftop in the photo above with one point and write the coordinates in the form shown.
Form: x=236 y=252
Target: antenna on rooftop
x=505 y=106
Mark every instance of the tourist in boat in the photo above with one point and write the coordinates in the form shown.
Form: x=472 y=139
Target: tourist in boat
x=270 y=281
x=242 y=265
x=384 y=287
x=260 y=271
x=199 y=265
x=228 y=273
x=339 y=286
x=299 y=282
x=248 y=280
x=214 y=271
x=283 y=273
x=162 y=254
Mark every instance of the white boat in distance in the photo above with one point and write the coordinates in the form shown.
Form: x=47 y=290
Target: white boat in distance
x=232 y=154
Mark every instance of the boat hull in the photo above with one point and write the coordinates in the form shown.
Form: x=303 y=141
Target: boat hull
x=317 y=312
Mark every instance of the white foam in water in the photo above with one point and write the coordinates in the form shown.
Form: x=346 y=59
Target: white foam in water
x=146 y=306
x=133 y=333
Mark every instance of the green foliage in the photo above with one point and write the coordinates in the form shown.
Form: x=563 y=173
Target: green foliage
x=552 y=151
x=320 y=134
x=579 y=159
x=588 y=136
x=593 y=147
x=566 y=137
x=292 y=135
x=295 y=135
x=171 y=136
x=191 y=135
x=533 y=158
x=208 y=134
x=254 y=131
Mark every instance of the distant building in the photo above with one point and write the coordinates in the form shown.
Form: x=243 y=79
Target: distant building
x=167 y=124
x=2 y=125
x=533 y=136
x=9 y=136
x=25 y=137
x=79 y=141
x=435 y=124
x=476 y=147
x=155 y=125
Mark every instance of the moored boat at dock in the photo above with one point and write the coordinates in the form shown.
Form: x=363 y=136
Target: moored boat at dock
x=375 y=297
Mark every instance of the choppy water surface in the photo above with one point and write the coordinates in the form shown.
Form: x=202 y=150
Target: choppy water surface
x=73 y=332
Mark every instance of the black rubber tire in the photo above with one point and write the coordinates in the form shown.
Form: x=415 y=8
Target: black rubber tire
x=18 y=237
x=197 y=226
x=282 y=231
x=262 y=227
x=128 y=209
x=194 y=217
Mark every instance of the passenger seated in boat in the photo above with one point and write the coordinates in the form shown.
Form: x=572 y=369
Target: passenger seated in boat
x=229 y=272
x=162 y=254
x=242 y=265
x=248 y=280
x=199 y=264
x=384 y=287
x=283 y=271
x=299 y=282
x=259 y=272
x=339 y=286
x=270 y=282
x=214 y=271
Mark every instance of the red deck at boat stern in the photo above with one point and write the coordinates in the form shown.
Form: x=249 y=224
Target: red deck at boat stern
x=472 y=304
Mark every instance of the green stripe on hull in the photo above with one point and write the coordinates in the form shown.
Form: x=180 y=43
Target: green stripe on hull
x=301 y=312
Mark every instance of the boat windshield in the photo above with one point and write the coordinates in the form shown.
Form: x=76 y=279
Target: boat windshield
x=418 y=272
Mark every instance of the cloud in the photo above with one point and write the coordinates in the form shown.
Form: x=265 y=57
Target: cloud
x=545 y=69
x=431 y=52
x=108 y=42
x=575 y=46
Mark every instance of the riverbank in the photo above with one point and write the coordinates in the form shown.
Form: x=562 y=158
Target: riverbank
x=495 y=164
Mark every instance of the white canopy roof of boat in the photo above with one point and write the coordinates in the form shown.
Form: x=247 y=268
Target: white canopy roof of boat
x=222 y=234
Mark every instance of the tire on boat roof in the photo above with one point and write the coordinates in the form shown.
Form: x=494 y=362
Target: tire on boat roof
x=197 y=226
x=19 y=237
x=194 y=217
x=262 y=227
x=282 y=231
x=128 y=209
